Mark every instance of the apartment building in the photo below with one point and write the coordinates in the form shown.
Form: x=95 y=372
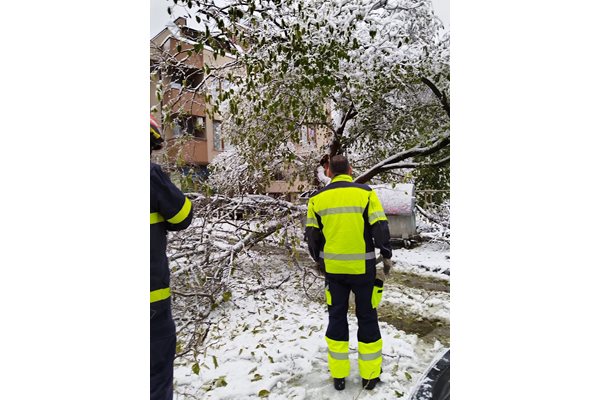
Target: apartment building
x=179 y=70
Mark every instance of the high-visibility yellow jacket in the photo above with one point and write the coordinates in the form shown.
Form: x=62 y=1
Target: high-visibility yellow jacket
x=344 y=224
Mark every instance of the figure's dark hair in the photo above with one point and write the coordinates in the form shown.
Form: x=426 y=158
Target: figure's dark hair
x=339 y=165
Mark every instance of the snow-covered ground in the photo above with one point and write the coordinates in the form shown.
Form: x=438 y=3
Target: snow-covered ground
x=430 y=259
x=270 y=343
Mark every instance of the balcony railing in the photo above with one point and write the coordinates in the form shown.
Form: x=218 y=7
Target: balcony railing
x=189 y=151
x=185 y=101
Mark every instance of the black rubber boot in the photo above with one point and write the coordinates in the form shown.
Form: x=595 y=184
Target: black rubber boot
x=369 y=384
x=339 y=383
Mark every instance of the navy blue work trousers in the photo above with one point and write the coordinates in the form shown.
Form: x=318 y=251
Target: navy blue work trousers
x=162 y=351
x=362 y=286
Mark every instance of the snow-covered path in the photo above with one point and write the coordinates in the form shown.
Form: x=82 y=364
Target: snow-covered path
x=271 y=344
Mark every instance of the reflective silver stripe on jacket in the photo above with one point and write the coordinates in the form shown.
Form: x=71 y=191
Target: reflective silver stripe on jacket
x=347 y=257
x=340 y=210
x=312 y=221
x=377 y=214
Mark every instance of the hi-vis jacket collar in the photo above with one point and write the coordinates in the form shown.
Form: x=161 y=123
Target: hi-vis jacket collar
x=341 y=178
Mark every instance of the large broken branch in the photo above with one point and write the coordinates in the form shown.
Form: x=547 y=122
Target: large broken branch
x=441 y=96
x=439 y=144
x=202 y=257
x=245 y=243
x=336 y=145
x=416 y=165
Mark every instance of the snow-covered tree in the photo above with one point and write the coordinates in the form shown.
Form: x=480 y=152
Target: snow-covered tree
x=374 y=74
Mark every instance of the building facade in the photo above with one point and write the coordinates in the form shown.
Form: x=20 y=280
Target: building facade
x=193 y=132
x=193 y=136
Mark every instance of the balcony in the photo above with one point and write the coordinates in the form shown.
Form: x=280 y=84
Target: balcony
x=194 y=60
x=185 y=101
x=192 y=151
x=280 y=187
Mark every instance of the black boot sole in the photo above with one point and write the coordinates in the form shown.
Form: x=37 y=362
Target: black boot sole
x=339 y=383
x=369 y=384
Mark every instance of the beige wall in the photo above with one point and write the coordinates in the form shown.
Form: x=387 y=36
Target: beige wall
x=198 y=151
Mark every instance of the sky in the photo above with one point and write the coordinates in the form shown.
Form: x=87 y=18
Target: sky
x=159 y=16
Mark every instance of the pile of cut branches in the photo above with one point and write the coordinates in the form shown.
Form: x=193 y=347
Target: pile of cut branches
x=202 y=258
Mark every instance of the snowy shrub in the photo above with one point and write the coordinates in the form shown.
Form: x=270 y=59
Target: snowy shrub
x=434 y=223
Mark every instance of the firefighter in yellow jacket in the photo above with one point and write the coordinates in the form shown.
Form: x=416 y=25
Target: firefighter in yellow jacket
x=345 y=222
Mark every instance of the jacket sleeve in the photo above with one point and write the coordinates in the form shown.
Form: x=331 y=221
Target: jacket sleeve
x=379 y=226
x=172 y=204
x=312 y=233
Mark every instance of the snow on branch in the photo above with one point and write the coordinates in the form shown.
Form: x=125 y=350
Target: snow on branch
x=434 y=224
x=416 y=165
x=442 y=142
x=203 y=257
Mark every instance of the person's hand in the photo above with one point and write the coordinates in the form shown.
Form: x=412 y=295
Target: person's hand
x=320 y=268
x=387 y=265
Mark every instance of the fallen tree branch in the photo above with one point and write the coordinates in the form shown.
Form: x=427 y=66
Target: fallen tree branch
x=431 y=217
x=204 y=256
x=192 y=294
x=416 y=165
x=441 y=96
x=440 y=143
x=275 y=286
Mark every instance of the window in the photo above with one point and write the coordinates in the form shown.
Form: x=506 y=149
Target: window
x=308 y=135
x=176 y=76
x=303 y=134
x=312 y=137
x=194 y=79
x=191 y=125
x=190 y=33
x=217 y=139
x=196 y=126
x=191 y=77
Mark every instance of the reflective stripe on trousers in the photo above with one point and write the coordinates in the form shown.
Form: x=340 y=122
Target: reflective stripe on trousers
x=369 y=359
x=337 y=357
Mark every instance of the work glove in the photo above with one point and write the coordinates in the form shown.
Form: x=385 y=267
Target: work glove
x=321 y=268
x=387 y=265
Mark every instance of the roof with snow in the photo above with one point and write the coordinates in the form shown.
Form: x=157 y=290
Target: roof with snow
x=175 y=29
